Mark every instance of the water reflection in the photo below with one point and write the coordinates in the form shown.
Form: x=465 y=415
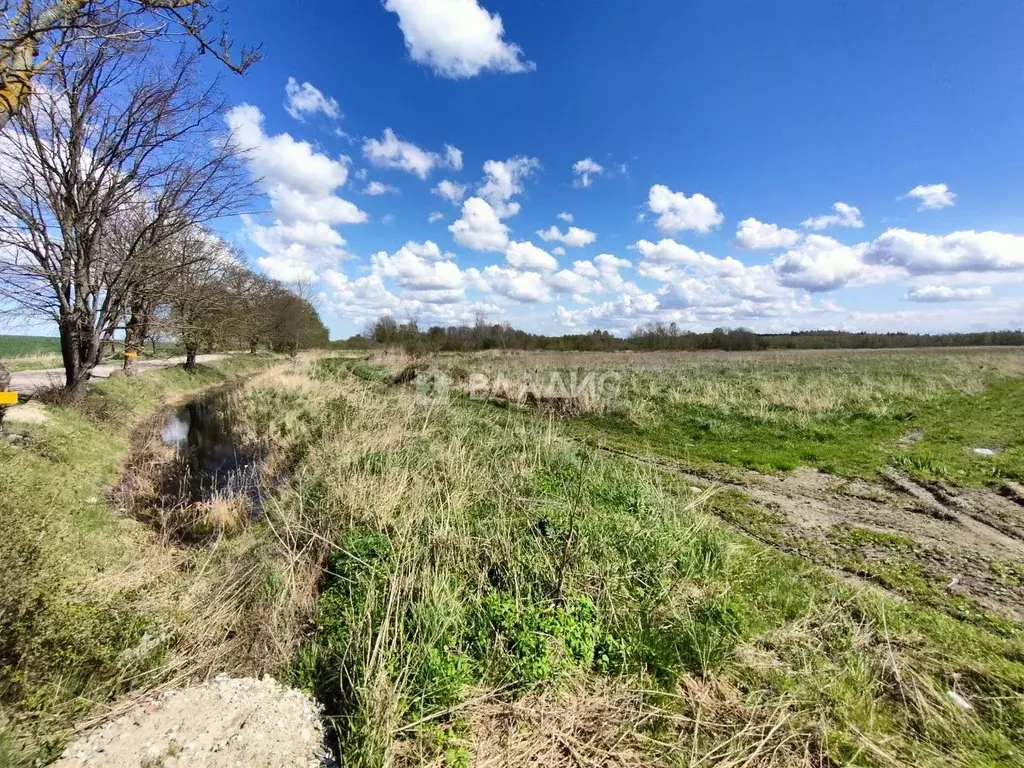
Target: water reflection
x=210 y=460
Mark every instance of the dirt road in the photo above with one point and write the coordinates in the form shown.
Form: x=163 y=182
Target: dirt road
x=27 y=382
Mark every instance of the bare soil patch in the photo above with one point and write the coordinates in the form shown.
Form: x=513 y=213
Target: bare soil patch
x=926 y=539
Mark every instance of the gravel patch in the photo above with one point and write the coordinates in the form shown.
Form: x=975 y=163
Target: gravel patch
x=224 y=722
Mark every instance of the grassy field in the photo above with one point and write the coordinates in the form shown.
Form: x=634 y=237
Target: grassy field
x=25 y=353
x=500 y=591
x=844 y=412
x=511 y=559
x=30 y=353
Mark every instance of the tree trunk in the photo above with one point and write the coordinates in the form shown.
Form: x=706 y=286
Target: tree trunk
x=133 y=342
x=80 y=350
x=70 y=350
x=5 y=382
x=190 y=356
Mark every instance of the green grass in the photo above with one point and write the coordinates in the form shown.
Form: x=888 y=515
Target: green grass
x=470 y=556
x=840 y=443
x=27 y=353
x=479 y=549
x=844 y=414
x=990 y=419
x=66 y=618
x=16 y=346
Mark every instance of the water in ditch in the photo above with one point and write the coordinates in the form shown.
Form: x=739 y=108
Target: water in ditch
x=209 y=462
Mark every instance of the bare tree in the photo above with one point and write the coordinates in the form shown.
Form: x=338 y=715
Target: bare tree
x=145 y=293
x=35 y=34
x=216 y=301
x=200 y=303
x=293 y=323
x=252 y=293
x=119 y=153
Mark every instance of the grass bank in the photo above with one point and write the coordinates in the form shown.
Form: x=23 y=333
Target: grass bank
x=494 y=591
x=91 y=605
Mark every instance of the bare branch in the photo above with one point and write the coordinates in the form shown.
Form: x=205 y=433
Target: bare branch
x=118 y=155
x=34 y=40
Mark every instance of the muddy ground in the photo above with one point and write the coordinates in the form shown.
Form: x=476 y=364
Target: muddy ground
x=957 y=549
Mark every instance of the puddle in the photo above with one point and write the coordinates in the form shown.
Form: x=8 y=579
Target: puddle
x=209 y=462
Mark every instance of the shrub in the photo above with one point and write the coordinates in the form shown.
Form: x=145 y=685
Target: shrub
x=331 y=368
x=371 y=372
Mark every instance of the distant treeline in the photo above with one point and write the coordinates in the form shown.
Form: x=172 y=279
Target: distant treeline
x=653 y=336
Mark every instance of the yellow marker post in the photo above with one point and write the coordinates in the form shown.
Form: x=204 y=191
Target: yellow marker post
x=131 y=354
x=8 y=398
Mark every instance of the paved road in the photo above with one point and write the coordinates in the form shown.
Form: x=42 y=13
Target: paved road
x=27 y=382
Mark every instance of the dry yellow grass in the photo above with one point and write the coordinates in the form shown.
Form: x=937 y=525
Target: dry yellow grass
x=773 y=386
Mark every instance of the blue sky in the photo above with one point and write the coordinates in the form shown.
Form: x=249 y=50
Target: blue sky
x=750 y=163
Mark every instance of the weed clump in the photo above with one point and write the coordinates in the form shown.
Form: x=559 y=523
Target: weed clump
x=371 y=372
x=330 y=368
x=410 y=373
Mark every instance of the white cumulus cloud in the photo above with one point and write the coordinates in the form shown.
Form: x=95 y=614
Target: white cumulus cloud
x=844 y=216
x=295 y=250
x=503 y=180
x=392 y=152
x=603 y=274
x=420 y=267
x=456 y=38
x=677 y=212
x=301 y=184
x=667 y=253
x=377 y=188
x=936 y=293
x=307 y=99
x=281 y=159
x=574 y=237
x=479 y=227
x=932 y=196
x=523 y=286
x=291 y=204
x=821 y=263
x=584 y=170
x=570 y=281
x=754 y=234
x=450 y=191
x=966 y=251
x=453 y=157
x=526 y=255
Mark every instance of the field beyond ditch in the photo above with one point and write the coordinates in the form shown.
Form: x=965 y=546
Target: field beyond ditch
x=763 y=559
